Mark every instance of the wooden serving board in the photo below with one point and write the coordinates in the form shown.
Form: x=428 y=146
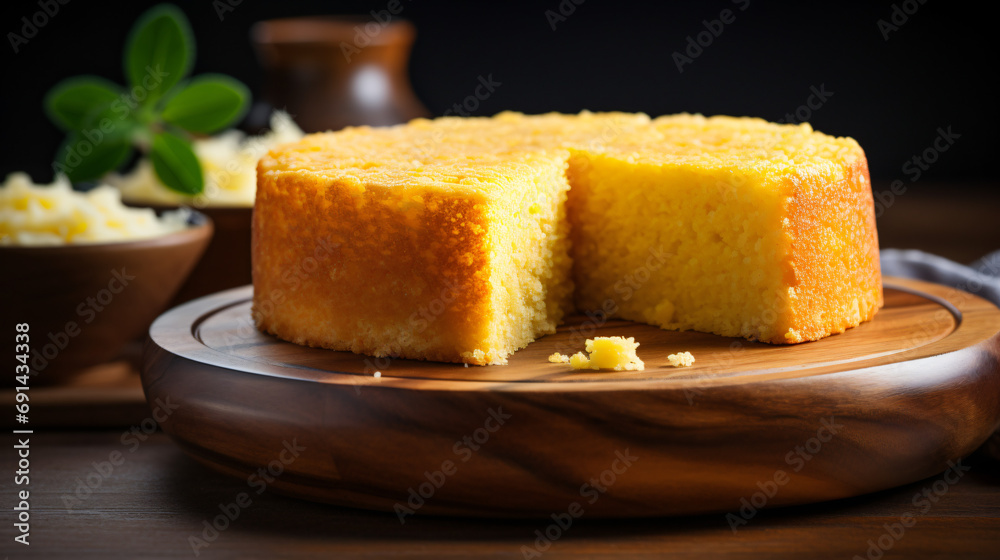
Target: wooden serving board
x=890 y=402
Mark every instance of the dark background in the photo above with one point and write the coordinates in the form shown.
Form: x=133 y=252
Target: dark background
x=937 y=70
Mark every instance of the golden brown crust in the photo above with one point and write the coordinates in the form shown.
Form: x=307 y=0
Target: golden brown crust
x=351 y=271
x=400 y=257
x=835 y=269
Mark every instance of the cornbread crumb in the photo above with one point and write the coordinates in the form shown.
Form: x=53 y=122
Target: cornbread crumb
x=580 y=361
x=684 y=359
x=608 y=352
x=558 y=358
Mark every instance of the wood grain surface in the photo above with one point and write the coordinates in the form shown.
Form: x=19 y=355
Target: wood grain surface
x=157 y=500
x=891 y=402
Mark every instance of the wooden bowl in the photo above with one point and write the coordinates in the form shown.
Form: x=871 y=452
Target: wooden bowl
x=226 y=262
x=83 y=303
x=750 y=425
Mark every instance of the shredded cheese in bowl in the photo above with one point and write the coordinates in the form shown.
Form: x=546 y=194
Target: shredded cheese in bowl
x=55 y=214
x=228 y=160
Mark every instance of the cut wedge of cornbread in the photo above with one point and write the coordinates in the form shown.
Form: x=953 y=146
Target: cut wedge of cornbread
x=450 y=239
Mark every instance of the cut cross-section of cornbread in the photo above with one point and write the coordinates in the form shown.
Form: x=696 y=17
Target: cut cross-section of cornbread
x=733 y=226
x=450 y=239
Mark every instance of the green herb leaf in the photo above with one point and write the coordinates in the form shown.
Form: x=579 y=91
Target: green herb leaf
x=176 y=164
x=70 y=102
x=209 y=103
x=86 y=157
x=159 y=52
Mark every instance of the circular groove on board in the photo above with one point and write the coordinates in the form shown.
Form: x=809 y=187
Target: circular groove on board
x=222 y=332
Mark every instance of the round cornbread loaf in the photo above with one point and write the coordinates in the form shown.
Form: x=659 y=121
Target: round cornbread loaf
x=464 y=239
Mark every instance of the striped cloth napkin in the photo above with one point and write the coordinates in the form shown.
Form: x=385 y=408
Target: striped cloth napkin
x=981 y=277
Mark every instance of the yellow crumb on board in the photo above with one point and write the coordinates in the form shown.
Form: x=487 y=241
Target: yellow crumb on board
x=683 y=359
x=606 y=352
x=558 y=358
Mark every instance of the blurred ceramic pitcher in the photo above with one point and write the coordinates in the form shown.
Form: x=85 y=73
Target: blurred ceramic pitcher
x=332 y=72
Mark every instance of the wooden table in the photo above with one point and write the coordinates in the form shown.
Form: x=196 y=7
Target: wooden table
x=158 y=499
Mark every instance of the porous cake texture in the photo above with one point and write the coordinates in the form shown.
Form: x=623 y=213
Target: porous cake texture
x=464 y=239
